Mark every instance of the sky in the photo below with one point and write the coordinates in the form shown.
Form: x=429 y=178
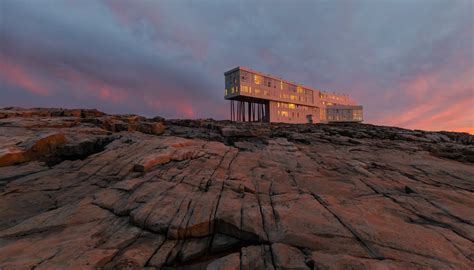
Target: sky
x=410 y=63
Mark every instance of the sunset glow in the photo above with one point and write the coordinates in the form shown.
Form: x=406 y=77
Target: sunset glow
x=167 y=57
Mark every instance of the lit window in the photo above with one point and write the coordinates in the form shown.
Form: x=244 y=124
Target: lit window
x=281 y=85
x=278 y=104
x=284 y=113
x=226 y=91
x=292 y=106
x=257 y=79
x=232 y=89
x=299 y=89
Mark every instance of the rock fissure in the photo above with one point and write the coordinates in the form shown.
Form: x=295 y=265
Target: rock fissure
x=225 y=195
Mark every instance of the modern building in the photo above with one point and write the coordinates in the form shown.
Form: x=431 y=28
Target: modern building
x=262 y=97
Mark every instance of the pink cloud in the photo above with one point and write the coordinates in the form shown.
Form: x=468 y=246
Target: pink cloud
x=99 y=89
x=437 y=103
x=16 y=75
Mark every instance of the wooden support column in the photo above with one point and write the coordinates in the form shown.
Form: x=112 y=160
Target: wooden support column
x=231 y=110
x=249 y=112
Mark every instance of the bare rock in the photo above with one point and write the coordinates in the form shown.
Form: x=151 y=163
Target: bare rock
x=83 y=189
x=288 y=257
x=231 y=262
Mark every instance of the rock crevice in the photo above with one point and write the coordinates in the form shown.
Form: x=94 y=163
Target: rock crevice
x=83 y=189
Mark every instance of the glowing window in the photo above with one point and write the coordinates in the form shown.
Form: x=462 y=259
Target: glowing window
x=292 y=106
x=257 y=79
x=284 y=113
x=226 y=91
x=232 y=89
x=299 y=89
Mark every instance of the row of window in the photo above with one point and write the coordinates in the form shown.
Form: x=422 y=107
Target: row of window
x=346 y=115
x=339 y=118
x=257 y=79
x=343 y=118
x=328 y=103
x=346 y=111
x=287 y=114
x=248 y=89
x=331 y=96
x=232 y=90
x=292 y=106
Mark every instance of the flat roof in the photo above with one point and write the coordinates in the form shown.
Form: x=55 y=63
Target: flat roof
x=280 y=79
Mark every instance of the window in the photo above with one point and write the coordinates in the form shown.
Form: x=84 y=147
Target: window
x=284 y=113
x=281 y=85
x=232 y=90
x=226 y=92
x=257 y=91
x=292 y=106
x=257 y=79
x=299 y=90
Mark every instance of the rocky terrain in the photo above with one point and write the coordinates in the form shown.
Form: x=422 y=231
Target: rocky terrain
x=81 y=189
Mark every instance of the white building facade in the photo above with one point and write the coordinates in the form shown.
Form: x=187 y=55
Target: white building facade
x=262 y=97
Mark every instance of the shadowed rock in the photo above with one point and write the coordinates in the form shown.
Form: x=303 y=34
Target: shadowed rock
x=83 y=189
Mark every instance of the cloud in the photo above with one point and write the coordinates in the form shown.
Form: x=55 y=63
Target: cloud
x=408 y=63
x=15 y=75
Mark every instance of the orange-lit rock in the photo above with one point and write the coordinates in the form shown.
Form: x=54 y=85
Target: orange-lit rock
x=92 y=191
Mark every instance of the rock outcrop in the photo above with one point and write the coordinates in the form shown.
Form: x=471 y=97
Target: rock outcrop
x=82 y=189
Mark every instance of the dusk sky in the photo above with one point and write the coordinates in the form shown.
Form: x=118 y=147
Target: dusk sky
x=410 y=63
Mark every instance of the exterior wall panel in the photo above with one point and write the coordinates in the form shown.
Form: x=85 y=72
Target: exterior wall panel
x=289 y=102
